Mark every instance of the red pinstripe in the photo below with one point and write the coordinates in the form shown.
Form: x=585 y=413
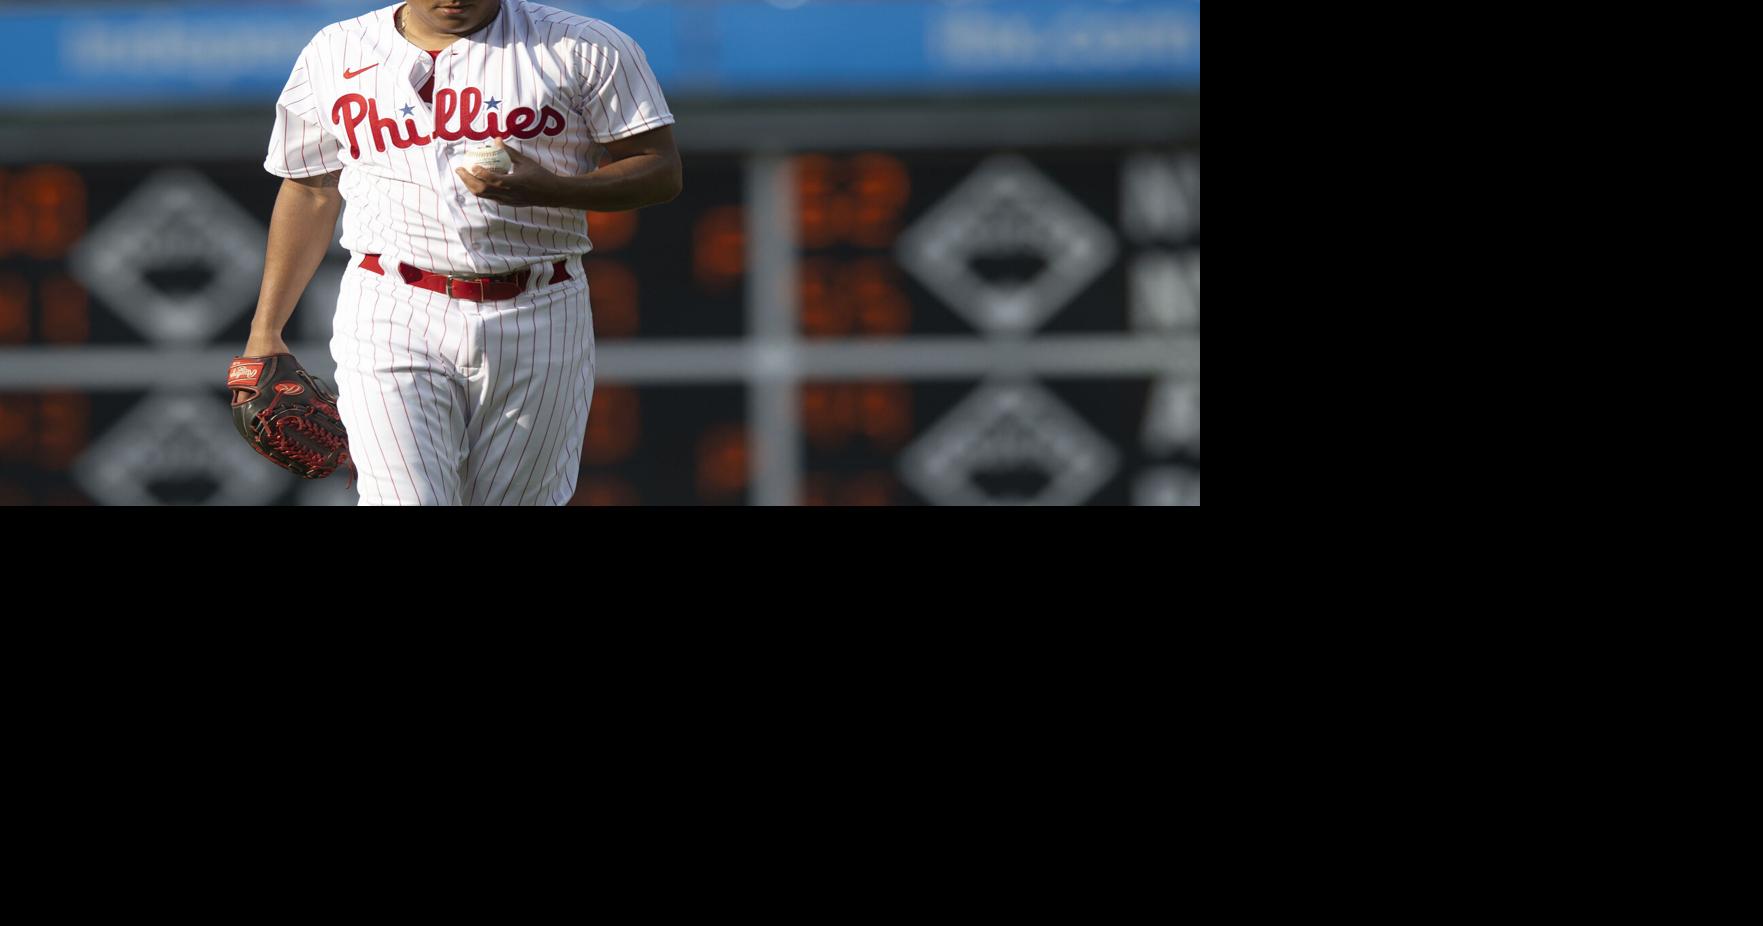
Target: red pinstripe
x=520 y=409
x=371 y=475
x=547 y=449
x=390 y=429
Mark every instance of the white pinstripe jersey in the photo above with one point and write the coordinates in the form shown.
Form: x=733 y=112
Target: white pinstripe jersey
x=549 y=82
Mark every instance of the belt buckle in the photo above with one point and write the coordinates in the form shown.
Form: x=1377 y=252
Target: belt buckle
x=477 y=281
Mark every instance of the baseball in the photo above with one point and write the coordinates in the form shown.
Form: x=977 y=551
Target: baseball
x=489 y=157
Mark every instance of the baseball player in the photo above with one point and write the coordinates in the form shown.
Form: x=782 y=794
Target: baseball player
x=468 y=138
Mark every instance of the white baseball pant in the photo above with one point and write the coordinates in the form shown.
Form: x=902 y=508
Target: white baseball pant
x=455 y=402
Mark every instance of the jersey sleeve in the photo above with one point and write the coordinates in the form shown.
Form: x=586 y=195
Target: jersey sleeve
x=299 y=146
x=621 y=96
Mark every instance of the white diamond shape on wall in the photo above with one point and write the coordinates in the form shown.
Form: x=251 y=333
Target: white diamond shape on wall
x=177 y=448
x=1007 y=213
x=176 y=224
x=1009 y=444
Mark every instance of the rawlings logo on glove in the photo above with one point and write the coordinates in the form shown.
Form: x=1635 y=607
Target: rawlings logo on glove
x=288 y=415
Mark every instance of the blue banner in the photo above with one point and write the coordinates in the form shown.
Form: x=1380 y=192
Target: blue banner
x=96 y=56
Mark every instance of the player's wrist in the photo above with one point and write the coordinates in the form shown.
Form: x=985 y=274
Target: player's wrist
x=556 y=191
x=262 y=344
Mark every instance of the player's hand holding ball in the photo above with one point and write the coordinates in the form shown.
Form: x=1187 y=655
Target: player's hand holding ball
x=522 y=183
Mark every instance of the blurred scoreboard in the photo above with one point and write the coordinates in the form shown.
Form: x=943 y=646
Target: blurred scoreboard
x=943 y=327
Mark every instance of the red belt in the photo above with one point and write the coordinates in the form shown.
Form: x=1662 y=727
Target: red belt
x=475 y=288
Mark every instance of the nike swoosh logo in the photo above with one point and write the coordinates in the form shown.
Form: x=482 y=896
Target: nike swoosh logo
x=348 y=73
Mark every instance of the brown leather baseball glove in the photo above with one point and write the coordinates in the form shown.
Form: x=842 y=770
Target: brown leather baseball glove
x=288 y=415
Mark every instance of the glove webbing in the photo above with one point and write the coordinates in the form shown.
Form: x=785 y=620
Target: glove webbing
x=276 y=436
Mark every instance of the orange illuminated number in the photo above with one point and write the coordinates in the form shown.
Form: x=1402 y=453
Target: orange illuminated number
x=614 y=289
x=63 y=429
x=719 y=247
x=722 y=462
x=613 y=427
x=823 y=214
x=17 y=422
x=58 y=199
x=832 y=414
x=15 y=316
x=826 y=312
x=66 y=318
x=862 y=296
x=611 y=231
x=880 y=305
x=857 y=200
x=881 y=186
x=42 y=211
x=51 y=429
x=885 y=410
x=829 y=415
